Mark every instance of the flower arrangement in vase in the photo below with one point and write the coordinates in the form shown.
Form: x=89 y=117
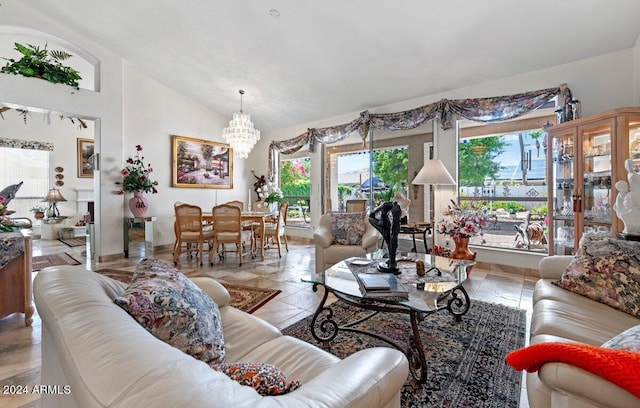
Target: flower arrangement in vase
x=38 y=212
x=137 y=179
x=6 y=223
x=271 y=195
x=462 y=224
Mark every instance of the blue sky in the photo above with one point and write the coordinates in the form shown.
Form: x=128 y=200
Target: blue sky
x=353 y=162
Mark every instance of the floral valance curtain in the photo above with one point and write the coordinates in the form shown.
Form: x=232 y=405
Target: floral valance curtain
x=25 y=144
x=496 y=109
x=408 y=119
x=487 y=110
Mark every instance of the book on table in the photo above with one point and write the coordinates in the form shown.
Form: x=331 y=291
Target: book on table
x=380 y=285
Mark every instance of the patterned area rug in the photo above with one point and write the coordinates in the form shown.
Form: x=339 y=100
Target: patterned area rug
x=466 y=366
x=245 y=298
x=73 y=242
x=40 y=262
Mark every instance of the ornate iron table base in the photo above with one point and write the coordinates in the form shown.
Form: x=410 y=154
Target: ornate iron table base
x=324 y=328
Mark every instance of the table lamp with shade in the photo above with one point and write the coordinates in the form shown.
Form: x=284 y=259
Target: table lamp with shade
x=433 y=173
x=53 y=196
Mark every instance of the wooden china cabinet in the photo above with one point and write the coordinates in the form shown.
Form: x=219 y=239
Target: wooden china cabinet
x=586 y=158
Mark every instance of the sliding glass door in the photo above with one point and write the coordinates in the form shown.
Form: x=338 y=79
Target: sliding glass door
x=295 y=182
x=374 y=172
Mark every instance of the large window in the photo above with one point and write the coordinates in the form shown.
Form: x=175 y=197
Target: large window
x=504 y=175
x=32 y=167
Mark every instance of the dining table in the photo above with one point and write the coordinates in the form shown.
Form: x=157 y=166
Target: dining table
x=260 y=217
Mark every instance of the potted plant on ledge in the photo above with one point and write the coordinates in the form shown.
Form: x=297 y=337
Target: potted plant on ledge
x=66 y=233
x=38 y=212
x=42 y=63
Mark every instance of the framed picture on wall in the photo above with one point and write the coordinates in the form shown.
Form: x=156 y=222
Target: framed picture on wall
x=85 y=158
x=201 y=163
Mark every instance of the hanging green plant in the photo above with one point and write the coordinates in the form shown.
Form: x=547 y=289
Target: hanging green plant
x=43 y=64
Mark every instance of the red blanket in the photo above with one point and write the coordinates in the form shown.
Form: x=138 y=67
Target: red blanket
x=619 y=367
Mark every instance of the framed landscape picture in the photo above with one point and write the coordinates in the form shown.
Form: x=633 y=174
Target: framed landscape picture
x=201 y=163
x=85 y=158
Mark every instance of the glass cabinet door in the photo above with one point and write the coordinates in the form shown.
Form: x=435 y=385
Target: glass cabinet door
x=563 y=179
x=633 y=154
x=595 y=199
x=589 y=156
x=634 y=141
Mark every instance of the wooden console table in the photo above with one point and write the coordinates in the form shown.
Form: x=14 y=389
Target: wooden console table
x=16 y=291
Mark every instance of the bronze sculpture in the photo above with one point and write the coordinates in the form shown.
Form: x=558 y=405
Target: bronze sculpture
x=386 y=219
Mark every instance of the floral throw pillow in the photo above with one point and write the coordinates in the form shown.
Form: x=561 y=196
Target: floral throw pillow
x=265 y=378
x=172 y=308
x=150 y=267
x=627 y=340
x=348 y=228
x=606 y=270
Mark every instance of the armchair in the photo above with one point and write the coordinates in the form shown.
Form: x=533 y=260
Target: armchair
x=328 y=252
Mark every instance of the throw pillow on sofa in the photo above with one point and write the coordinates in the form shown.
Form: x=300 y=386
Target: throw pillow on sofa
x=627 y=340
x=149 y=268
x=348 y=228
x=265 y=378
x=606 y=270
x=172 y=308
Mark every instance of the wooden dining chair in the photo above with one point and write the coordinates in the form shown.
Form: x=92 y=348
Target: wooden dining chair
x=227 y=229
x=189 y=230
x=236 y=203
x=246 y=225
x=275 y=231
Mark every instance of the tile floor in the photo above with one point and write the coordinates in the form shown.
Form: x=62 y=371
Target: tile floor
x=20 y=345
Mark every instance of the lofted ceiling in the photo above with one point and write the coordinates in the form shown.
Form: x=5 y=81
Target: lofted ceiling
x=305 y=60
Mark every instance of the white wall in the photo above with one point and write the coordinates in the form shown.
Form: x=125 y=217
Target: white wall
x=130 y=109
x=152 y=113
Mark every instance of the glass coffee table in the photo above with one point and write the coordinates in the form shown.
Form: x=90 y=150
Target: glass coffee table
x=439 y=289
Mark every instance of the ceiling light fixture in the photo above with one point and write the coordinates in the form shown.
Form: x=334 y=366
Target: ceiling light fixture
x=240 y=134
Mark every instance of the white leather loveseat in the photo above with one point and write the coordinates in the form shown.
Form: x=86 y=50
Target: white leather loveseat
x=562 y=316
x=99 y=356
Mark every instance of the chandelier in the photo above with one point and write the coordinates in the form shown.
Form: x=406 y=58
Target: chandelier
x=240 y=134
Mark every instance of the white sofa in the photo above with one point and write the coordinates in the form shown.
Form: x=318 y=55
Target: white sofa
x=563 y=316
x=329 y=254
x=99 y=356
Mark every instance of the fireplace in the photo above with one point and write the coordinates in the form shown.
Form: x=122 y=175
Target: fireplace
x=85 y=205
